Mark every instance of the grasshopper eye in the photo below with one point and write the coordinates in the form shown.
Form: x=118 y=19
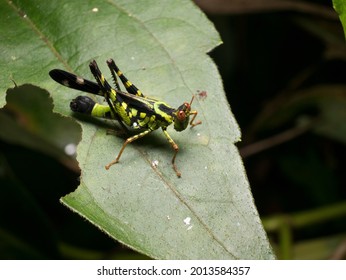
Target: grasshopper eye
x=181 y=116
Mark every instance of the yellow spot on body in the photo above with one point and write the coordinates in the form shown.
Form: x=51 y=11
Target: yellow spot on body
x=144 y=121
x=121 y=110
x=113 y=94
x=134 y=112
x=142 y=115
x=102 y=79
x=124 y=105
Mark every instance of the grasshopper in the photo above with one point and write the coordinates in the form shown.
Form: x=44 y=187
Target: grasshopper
x=130 y=108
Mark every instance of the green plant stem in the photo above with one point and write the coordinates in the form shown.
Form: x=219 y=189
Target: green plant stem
x=285 y=223
x=305 y=218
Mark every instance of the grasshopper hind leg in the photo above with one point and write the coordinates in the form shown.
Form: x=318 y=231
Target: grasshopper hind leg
x=130 y=87
x=128 y=141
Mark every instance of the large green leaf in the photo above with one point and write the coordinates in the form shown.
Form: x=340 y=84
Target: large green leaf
x=340 y=8
x=161 y=46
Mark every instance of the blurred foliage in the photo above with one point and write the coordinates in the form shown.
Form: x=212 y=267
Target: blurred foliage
x=284 y=74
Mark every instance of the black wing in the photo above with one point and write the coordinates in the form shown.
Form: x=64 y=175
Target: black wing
x=72 y=81
x=137 y=102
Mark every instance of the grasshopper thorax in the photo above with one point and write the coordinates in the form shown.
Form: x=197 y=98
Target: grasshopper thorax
x=182 y=116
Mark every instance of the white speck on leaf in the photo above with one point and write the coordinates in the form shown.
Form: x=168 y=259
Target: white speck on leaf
x=70 y=149
x=187 y=221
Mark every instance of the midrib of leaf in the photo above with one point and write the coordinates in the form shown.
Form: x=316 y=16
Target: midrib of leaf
x=176 y=194
x=40 y=34
x=183 y=201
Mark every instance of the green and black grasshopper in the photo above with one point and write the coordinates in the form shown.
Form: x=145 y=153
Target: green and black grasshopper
x=131 y=108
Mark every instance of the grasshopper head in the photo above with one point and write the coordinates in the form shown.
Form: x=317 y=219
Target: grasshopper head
x=182 y=116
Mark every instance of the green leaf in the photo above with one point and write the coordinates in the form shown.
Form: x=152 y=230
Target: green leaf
x=161 y=46
x=340 y=8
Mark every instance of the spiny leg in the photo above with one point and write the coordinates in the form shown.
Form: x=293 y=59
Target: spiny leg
x=110 y=63
x=108 y=93
x=175 y=148
x=106 y=89
x=128 y=141
x=100 y=79
x=130 y=88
